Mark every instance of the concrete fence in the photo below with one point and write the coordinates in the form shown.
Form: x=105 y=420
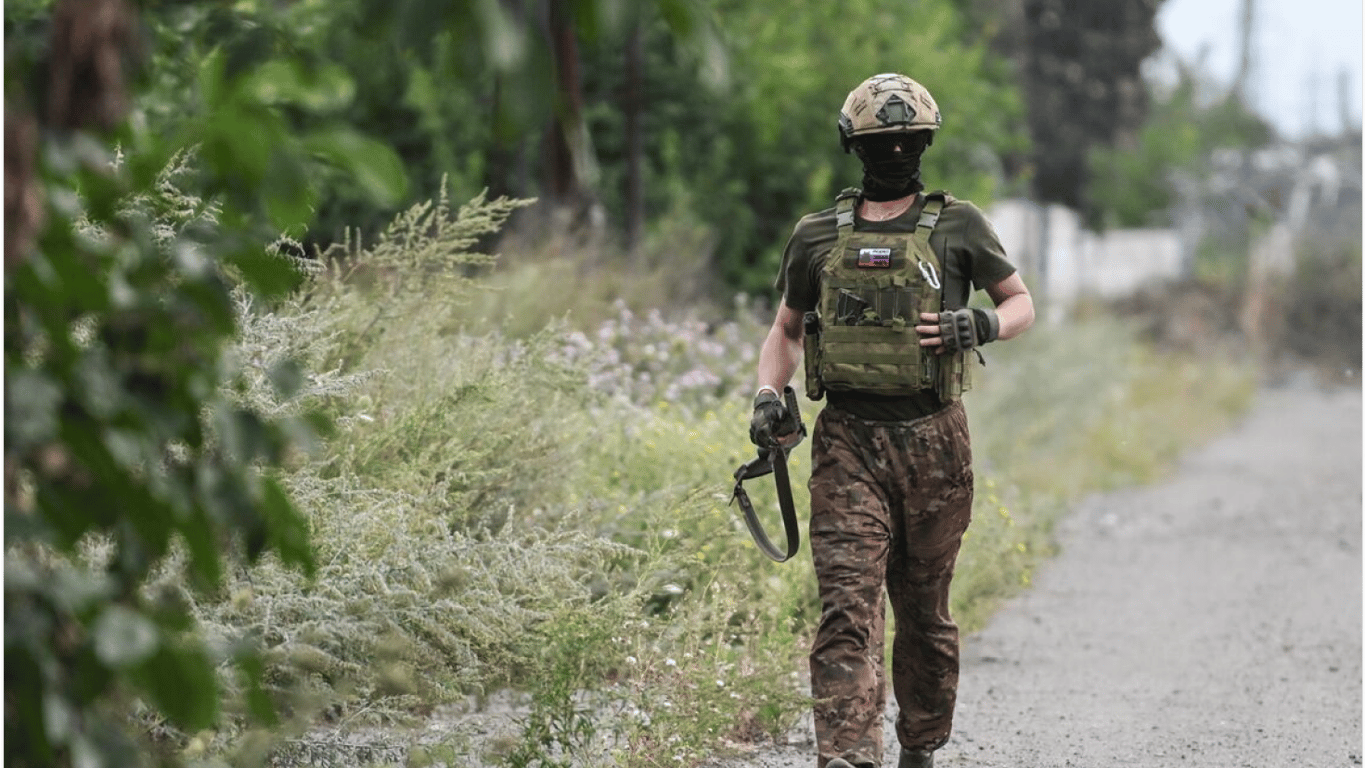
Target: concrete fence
x=1062 y=261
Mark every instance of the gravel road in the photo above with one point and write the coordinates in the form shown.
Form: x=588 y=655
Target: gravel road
x=1211 y=621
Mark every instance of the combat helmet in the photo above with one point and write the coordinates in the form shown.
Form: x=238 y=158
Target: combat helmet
x=887 y=103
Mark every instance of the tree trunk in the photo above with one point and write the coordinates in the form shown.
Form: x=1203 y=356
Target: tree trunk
x=633 y=106
x=571 y=167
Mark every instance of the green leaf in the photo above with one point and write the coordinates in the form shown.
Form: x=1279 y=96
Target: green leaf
x=31 y=399
x=285 y=81
x=682 y=16
x=288 y=194
x=287 y=529
x=211 y=78
x=268 y=274
x=124 y=637
x=258 y=700
x=374 y=164
x=200 y=537
x=180 y=681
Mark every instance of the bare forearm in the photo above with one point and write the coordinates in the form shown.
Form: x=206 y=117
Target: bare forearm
x=1014 y=306
x=781 y=352
x=1016 y=314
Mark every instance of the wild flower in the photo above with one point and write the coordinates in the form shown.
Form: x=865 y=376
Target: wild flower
x=652 y=359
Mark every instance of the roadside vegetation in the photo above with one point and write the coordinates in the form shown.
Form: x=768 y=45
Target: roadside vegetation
x=547 y=513
x=295 y=499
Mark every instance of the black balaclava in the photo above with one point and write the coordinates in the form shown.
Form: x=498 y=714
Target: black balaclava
x=889 y=174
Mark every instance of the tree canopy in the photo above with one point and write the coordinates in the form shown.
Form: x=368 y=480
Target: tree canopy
x=617 y=113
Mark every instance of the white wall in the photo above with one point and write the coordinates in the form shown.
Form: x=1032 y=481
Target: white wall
x=1061 y=261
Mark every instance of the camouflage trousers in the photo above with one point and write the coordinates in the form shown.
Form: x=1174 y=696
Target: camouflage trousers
x=890 y=501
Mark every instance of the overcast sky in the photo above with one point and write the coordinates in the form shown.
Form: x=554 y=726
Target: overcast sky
x=1299 y=48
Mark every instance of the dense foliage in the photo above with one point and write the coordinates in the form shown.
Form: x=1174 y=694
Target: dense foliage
x=1138 y=184
x=615 y=114
x=1084 y=86
x=123 y=443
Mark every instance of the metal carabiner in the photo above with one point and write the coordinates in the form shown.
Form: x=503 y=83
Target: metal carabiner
x=928 y=272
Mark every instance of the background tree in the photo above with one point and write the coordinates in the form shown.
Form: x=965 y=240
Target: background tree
x=1083 y=85
x=1138 y=185
x=749 y=153
x=722 y=115
x=123 y=443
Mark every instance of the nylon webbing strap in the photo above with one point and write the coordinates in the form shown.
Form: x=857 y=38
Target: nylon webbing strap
x=929 y=216
x=844 y=209
x=772 y=460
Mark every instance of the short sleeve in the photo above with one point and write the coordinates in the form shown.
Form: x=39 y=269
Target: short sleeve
x=799 y=274
x=989 y=264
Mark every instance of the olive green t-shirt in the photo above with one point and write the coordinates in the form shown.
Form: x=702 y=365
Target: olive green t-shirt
x=970 y=256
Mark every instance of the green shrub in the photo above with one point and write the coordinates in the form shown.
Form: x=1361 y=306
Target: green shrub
x=1323 y=305
x=550 y=513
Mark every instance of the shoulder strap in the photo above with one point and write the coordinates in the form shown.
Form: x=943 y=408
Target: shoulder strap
x=844 y=208
x=929 y=215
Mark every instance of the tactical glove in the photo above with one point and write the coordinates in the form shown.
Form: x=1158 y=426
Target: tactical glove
x=964 y=329
x=770 y=420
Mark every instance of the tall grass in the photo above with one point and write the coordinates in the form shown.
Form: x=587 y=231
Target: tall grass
x=546 y=510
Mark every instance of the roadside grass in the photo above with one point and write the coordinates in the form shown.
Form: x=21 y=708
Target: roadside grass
x=547 y=510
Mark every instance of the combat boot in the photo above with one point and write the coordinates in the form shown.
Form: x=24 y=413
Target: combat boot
x=916 y=758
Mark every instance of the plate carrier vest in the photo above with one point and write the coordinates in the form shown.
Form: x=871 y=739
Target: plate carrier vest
x=873 y=288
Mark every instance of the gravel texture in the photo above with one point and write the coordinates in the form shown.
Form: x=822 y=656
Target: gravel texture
x=1213 y=620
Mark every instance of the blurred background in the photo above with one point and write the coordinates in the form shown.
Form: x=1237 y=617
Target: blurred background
x=375 y=369
x=1221 y=128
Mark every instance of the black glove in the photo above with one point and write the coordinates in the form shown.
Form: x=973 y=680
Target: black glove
x=964 y=329
x=770 y=419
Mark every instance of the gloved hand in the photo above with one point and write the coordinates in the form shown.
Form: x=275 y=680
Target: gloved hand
x=770 y=420
x=964 y=329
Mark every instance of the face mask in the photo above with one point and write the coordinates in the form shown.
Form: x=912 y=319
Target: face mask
x=889 y=174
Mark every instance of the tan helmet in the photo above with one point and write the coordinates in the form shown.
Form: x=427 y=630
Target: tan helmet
x=887 y=103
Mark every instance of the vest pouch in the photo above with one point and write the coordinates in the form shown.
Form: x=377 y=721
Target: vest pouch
x=898 y=306
x=855 y=306
x=874 y=358
x=955 y=374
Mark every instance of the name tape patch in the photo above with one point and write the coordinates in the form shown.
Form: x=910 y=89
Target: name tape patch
x=875 y=257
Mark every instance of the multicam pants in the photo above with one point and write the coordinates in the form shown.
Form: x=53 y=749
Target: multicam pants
x=890 y=501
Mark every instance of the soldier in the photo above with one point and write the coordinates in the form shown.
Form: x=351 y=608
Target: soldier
x=875 y=294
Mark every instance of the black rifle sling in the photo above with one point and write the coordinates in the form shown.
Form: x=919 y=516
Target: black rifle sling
x=772 y=460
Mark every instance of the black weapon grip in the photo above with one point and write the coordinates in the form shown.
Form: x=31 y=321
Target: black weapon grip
x=794 y=414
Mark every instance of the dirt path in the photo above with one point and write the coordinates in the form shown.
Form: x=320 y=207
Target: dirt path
x=1211 y=621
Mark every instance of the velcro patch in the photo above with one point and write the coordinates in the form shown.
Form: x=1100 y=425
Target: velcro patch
x=875 y=257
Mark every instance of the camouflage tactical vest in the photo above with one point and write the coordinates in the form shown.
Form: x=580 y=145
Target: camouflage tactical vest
x=873 y=289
